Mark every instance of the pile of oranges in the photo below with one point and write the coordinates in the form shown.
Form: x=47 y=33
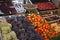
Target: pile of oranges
x=42 y=26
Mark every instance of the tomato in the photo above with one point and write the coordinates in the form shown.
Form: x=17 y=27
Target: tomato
x=32 y=14
x=47 y=39
x=33 y=19
x=56 y=33
x=28 y=17
x=42 y=26
x=46 y=22
x=47 y=31
x=36 y=23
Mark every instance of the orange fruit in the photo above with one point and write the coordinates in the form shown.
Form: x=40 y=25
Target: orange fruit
x=28 y=17
x=47 y=31
x=33 y=14
x=46 y=22
x=44 y=26
x=36 y=20
x=56 y=33
x=47 y=39
x=42 y=30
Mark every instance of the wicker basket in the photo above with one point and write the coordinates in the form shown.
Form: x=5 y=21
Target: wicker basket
x=30 y=7
x=57 y=29
x=56 y=26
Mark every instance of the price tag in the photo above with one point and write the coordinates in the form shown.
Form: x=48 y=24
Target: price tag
x=19 y=15
x=29 y=14
x=48 y=0
x=51 y=12
x=9 y=16
x=38 y=13
x=0 y=17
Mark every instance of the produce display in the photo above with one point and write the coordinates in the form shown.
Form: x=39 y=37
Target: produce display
x=5 y=8
x=56 y=25
x=24 y=29
x=11 y=8
x=33 y=25
x=37 y=28
x=19 y=7
x=30 y=6
x=46 y=5
x=55 y=17
x=52 y=18
x=42 y=26
x=46 y=15
x=7 y=33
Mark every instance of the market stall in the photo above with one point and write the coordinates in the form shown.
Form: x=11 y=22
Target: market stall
x=29 y=20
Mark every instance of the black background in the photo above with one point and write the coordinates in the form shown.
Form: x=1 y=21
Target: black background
x=35 y=1
x=6 y=0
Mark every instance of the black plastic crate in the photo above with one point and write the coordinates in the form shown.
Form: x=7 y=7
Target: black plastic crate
x=36 y=1
x=5 y=0
x=46 y=9
x=41 y=1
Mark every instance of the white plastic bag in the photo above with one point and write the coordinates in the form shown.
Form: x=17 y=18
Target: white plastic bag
x=19 y=7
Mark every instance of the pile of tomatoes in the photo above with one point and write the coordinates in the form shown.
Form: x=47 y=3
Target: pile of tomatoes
x=42 y=26
x=46 y=6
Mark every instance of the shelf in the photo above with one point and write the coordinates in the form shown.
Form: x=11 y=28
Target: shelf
x=54 y=21
x=49 y=10
x=30 y=6
x=12 y=14
x=50 y=16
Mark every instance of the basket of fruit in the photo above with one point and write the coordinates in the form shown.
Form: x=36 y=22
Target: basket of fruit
x=57 y=29
x=56 y=26
x=30 y=6
x=43 y=6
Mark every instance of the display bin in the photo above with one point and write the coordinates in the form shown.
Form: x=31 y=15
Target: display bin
x=44 y=3
x=30 y=8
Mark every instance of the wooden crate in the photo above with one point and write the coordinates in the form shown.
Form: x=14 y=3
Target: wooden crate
x=57 y=29
x=56 y=26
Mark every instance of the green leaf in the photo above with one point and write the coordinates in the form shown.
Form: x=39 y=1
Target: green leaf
x=35 y=26
x=54 y=38
x=58 y=37
x=51 y=30
x=42 y=22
